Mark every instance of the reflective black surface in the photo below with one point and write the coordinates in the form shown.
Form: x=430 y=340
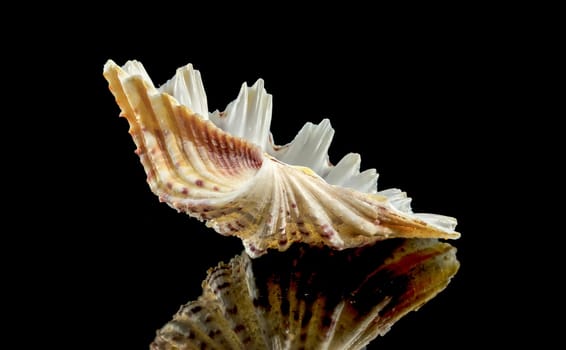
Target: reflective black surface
x=411 y=106
x=404 y=131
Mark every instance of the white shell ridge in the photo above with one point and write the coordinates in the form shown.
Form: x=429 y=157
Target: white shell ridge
x=223 y=168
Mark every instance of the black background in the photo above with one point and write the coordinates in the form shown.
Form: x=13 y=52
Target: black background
x=420 y=95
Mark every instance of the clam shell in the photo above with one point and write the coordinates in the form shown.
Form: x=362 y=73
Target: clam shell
x=311 y=298
x=223 y=168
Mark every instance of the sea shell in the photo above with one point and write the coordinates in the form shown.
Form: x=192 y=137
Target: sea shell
x=223 y=168
x=315 y=298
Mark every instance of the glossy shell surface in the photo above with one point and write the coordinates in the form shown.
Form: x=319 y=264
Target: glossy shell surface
x=224 y=168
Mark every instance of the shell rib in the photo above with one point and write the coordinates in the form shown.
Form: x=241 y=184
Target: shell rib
x=223 y=168
x=311 y=298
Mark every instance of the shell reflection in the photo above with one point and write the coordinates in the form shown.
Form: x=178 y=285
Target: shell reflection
x=311 y=298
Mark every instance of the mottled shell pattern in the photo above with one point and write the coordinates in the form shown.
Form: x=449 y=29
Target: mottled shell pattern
x=224 y=168
x=311 y=298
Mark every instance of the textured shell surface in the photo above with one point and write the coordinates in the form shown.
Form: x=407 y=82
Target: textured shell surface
x=224 y=168
x=310 y=297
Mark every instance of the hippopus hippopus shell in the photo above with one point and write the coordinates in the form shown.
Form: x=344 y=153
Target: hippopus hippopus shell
x=224 y=168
